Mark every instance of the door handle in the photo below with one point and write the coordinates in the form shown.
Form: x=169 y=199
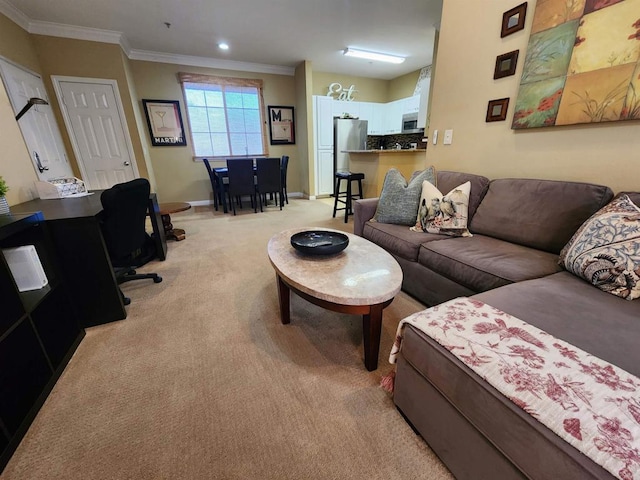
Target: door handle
x=39 y=163
x=126 y=164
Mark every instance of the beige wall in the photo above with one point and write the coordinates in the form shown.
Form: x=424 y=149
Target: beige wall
x=178 y=176
x=463 y=84
x=367 y=89
x=404 y=86
x=303 y=172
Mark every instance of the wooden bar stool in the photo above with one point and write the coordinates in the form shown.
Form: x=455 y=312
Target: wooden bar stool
x=347 y=196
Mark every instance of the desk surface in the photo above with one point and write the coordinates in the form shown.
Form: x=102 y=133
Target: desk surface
x=62 y=208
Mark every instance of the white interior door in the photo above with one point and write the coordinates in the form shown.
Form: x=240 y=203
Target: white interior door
x=38 y=125
x=98 y=130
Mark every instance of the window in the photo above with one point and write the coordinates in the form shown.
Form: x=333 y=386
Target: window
x=225 y=115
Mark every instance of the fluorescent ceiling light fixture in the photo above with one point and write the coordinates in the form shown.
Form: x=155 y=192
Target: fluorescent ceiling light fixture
x=381 y=57
x=223 y=46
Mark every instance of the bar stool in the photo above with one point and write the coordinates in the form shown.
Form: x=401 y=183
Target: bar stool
x=347 y=197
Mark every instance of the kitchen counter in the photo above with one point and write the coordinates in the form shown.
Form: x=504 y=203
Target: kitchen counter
x=376 y=163
x=390 y=150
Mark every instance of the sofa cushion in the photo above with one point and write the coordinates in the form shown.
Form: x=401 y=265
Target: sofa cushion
x=398 y=239
x=398 y=202
x=605 y=251
x=541 y=214
x=444 y=214
x=449 y=180
x=569 y=308
x=481 y=263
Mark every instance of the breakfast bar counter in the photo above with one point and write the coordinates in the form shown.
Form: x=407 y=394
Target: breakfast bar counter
x=376 y=163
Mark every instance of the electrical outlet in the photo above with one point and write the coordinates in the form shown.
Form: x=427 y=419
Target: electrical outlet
x=448 y=137
x=435 y=136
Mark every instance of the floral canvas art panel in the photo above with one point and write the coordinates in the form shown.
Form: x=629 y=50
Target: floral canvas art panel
x=596 y=96
x=605 y=39
x=537 y=104
x=582 y=64
x=551 y=13
x=549 y=53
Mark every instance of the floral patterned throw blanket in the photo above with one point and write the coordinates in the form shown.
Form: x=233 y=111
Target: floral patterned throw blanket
x=591 y=404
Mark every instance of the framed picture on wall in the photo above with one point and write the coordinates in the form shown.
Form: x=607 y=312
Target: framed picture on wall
x=506 y=64
x=165 y=123
x=497 y=110
x=281 y=125
x=513 y=20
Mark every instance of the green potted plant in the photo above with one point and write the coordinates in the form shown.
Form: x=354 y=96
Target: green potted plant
x=4 y=188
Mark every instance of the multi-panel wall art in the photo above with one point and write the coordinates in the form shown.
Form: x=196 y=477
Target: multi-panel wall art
x=582 y=64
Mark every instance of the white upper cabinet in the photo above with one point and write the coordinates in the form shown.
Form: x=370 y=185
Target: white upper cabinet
x=411 y=104
x=393 y=117
x=424 y=103
x=340 y=107
x=373 y=113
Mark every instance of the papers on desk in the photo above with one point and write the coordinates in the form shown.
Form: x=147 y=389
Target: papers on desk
x=61 y=188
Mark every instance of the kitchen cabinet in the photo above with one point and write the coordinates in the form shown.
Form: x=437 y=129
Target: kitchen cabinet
x=393 y=117
x=411 y=104
x=323 y=121
x=39 y=331
x=340 y=107
x=424 y=103
x=324 y=172
x=373 y=113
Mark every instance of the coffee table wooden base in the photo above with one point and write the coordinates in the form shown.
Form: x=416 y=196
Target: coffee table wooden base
x=371 y=318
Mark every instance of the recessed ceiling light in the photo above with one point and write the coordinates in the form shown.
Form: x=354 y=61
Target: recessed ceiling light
x=381 y=57
x=223 y=46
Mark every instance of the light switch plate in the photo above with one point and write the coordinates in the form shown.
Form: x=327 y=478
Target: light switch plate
x=448 y=137
x=435 y=136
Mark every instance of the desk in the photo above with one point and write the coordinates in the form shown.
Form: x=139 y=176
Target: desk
x=83 y=255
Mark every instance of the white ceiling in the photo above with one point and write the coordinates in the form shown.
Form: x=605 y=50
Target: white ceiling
x=278 y=33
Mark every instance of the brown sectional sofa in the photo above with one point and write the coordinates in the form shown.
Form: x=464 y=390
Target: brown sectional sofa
x=519 y=227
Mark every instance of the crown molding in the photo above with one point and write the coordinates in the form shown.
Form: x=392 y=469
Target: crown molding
x=78 y=33
x=208 y=62
x=14 y=14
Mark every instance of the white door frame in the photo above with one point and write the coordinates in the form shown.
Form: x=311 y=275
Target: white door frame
x=56 y=79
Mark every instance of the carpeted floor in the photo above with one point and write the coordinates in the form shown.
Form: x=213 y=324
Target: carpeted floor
x=202 y=381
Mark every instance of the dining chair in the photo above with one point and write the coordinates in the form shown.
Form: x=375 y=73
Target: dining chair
x=283 y=169
x=269 y=179
x=215 y=184
x=242 y=182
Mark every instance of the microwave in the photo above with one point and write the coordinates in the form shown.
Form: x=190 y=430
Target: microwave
x=410 y=123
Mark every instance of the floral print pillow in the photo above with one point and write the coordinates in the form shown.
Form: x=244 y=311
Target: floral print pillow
x=445 y=214
x=605 y=250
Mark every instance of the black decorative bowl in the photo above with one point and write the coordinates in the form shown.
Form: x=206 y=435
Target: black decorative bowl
x=319 y=242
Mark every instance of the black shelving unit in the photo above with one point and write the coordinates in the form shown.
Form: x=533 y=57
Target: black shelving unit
x=39 y=332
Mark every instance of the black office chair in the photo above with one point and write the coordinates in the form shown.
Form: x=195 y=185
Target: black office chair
x=242 y=181
x=283 y=167
x=122 y=220
x=269 y=179
x=215 y=185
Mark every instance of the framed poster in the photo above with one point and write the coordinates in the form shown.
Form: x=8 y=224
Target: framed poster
x=165 y=123
x=281 y=127
x=497 y=110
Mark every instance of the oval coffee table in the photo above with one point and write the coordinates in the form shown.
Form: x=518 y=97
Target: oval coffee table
x=362 y=280
x=166 y=209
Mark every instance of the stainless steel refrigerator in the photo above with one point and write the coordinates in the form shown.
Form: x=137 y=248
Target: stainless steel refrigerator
x=348 y=134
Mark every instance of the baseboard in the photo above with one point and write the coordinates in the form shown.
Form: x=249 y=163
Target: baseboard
x=206 y=203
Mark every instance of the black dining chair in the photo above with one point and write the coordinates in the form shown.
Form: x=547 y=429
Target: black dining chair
x=269 y=180
x=283 y=168
x=123 y=221
x=215 y=184
x=242 y=182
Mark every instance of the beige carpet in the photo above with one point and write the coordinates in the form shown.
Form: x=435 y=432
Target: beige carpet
x=202 y=381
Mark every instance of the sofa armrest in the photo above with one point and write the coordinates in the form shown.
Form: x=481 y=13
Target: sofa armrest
x=363 y=211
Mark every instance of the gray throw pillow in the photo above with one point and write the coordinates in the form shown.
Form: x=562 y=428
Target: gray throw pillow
x=398 y=202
